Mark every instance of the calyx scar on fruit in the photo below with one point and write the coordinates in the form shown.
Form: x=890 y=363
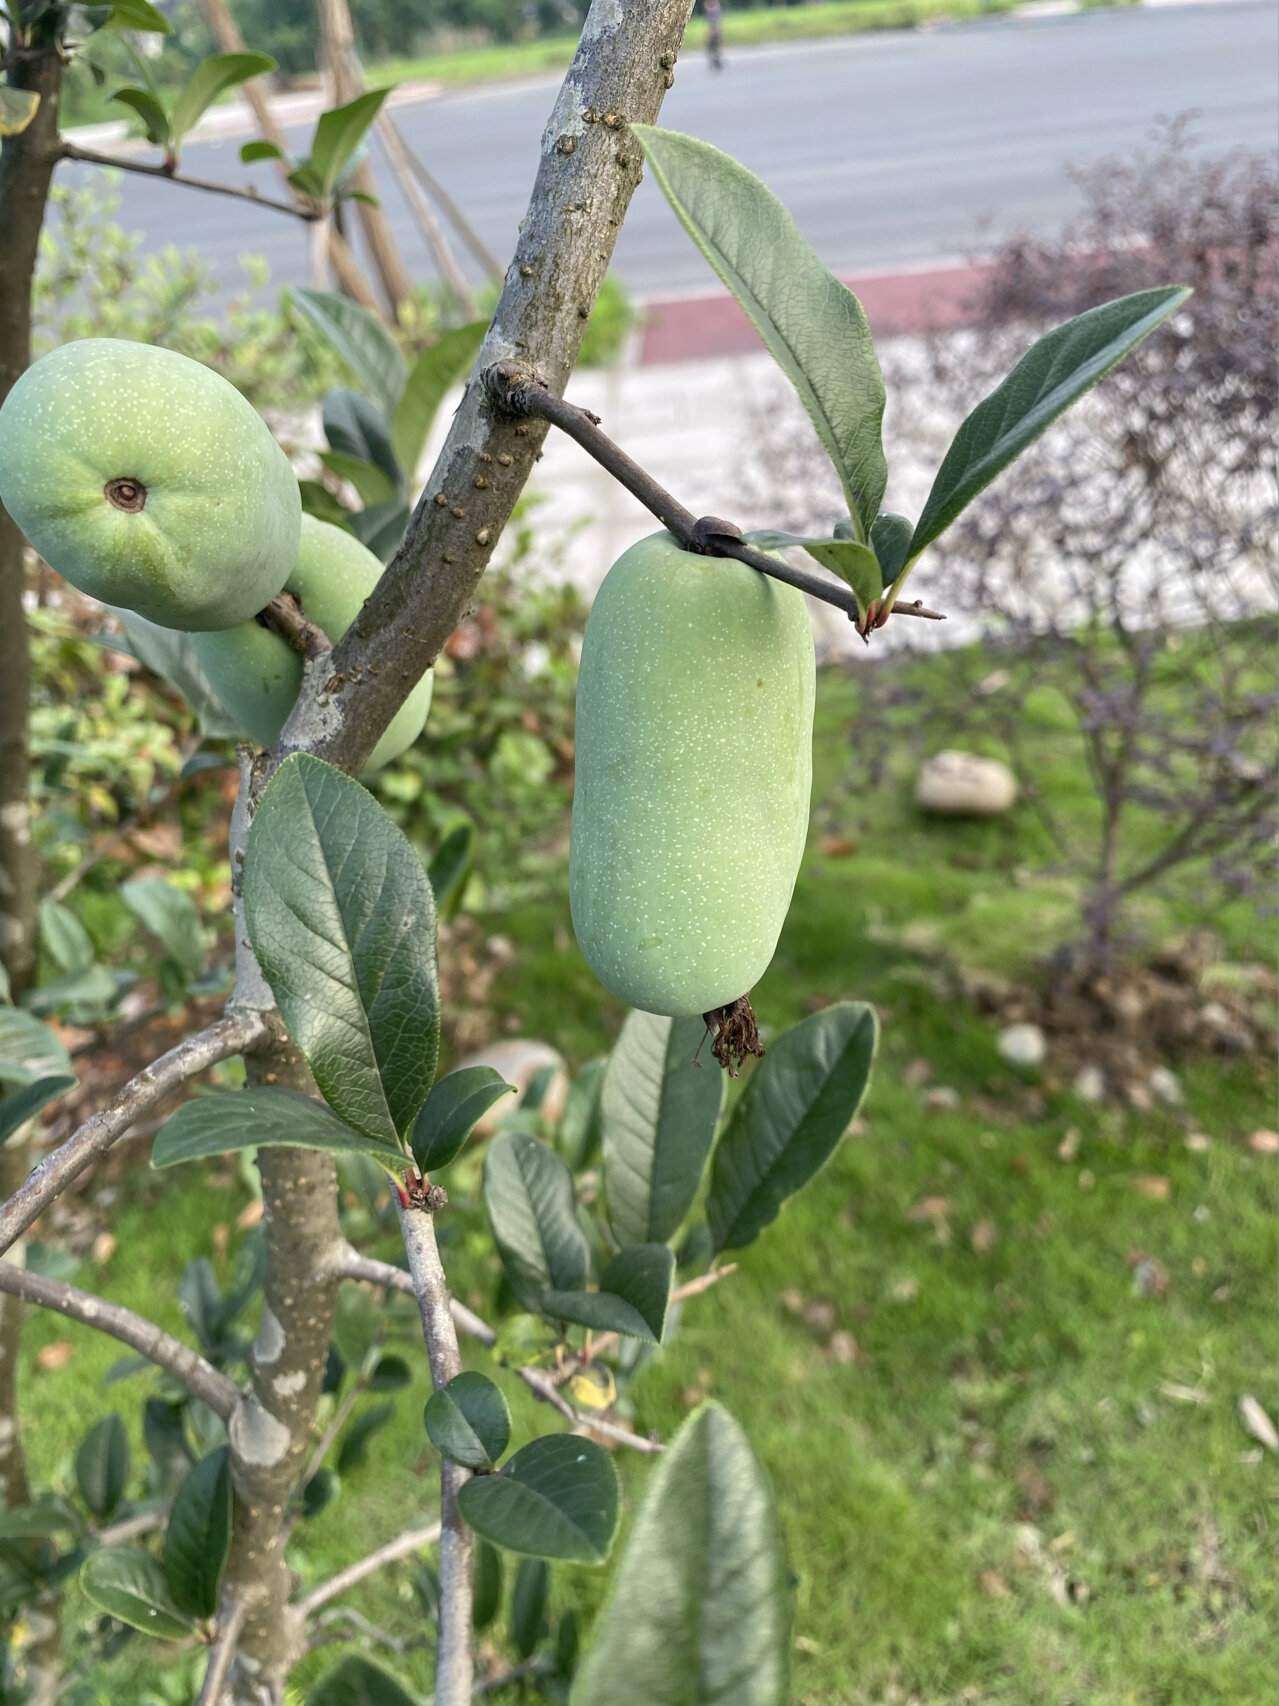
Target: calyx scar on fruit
x=257 y=674
x=148 y=481
x=694 y=769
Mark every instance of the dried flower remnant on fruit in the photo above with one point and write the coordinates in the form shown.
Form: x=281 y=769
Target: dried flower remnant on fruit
x=734 y=1033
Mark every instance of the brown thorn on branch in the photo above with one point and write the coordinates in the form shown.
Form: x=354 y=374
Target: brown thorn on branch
x=735 y=1033
x=87 y=156
x=514 y=389
x=283 y=616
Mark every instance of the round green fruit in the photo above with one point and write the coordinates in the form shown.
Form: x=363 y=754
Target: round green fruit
x=149 y=482
x=694 y=768
x=257 y=675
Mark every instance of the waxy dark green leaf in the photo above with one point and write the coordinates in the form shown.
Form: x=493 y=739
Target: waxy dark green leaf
x=371 y=484
x=129 y=1584
x=855 y=564
x=528 y=1192
x=450 y=1114
x=155 y=121
x=529 y=1599
x=198 y=1537
x=579 y=1127
x=797 y=1106
x=634 y=1294
x=26 y=1102
x=102 y=1465
x=363 y=343
x=353 y=1452
x=813 y=325
x=700 y=1609
x=355 y=426
x=556 y=1498
x=138 y=15
x=487 y=1587
x=451 y=865
x=264 y=1115
x=342 y=920
x=891 y=537
x=1053 y=374
x=658 y=1112
x=380 y=527
x=468 y=1422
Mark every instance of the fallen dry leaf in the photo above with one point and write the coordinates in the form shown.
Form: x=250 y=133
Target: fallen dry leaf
x=929 y=1208
x=792 y=1300
x=915 y=1073
x=1258 y=1423
x=1153 y=1185
x=819 y=1315
x=104 y=1247
x=836 y=847
x=250 y=1215
x=994 y=1586
x=983 y=1237
x=1264 y=1143
x=1068 y=1148
x=56 y=1355
x=842 y=1347
x=220 y=1239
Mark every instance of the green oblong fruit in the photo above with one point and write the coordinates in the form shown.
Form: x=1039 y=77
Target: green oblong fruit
x=694 y=768
x=257 y=675
x=148 y=481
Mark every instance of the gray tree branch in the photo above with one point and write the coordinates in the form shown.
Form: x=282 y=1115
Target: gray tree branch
x=404 y=1546
x=589 y=168
x=231 y=1035
x=199 y=1377
x=220 y=1658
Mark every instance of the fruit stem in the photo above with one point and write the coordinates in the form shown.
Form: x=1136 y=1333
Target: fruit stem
x=735 y=1034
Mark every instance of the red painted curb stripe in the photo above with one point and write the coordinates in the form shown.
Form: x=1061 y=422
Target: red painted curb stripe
x=696 y=328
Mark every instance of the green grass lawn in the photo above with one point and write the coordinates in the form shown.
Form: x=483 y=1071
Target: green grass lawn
x=1029 y=1483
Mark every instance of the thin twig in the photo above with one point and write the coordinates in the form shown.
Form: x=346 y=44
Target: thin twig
x=358 y=1389
x=224 y=1645
x=536 y=1666
x=348 y=1614
x=350 y=1264
x=199 y=1377
x=146 y=1522
x=228 y=1036
x=454 y=1661
x=284 y=616
x=411 y=1541
x=241 y=192
x=512 y=386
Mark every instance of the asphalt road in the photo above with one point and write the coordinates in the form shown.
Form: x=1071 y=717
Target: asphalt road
x=890 y=149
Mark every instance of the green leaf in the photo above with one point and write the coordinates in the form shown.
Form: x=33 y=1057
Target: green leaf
x=29 y=1050
x=65 y=939
x=339 y=132
x=198 y=1537
x=390 y=1374
x=813 y=325
x=1053 y=374
x=320 y=1492
x=853 y=563
x=266 y=1114
x=25 y=1103
x=260 y=149
x=172 y=915
x=354 y=1449
x=369 y=481
x=529 y=1596
x=468 y=1422
x=700 y=1608
x=129 y=1585
x=211 y=76
x=528 y=1192
x=319 y=501
x=361 y=340
x=891 y=538
x=358 y=1681
x=433 y=372
x=634 y=1294
x=46 y=1516
x=354 y=1326
x=342 y=920
x=381 y=527
x=451 y=1112
x=451 y=865
x=487 y=1586
x=579 y=1127
x=17 y=109
x=797 y=1106
x=155 y=121
x=658 y=1111
x=354 y=427
x=304 y=179
x=102 y=1465
x=172 y=656
x=556 y=1498
x=138 y=15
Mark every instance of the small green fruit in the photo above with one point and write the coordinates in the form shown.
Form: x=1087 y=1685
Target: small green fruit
x=257 y=675
x=694 y=767
x=147 y=481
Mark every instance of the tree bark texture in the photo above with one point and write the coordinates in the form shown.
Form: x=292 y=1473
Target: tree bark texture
x=589 y=168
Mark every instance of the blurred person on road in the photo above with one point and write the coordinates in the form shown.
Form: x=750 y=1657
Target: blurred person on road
x=714 y=33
